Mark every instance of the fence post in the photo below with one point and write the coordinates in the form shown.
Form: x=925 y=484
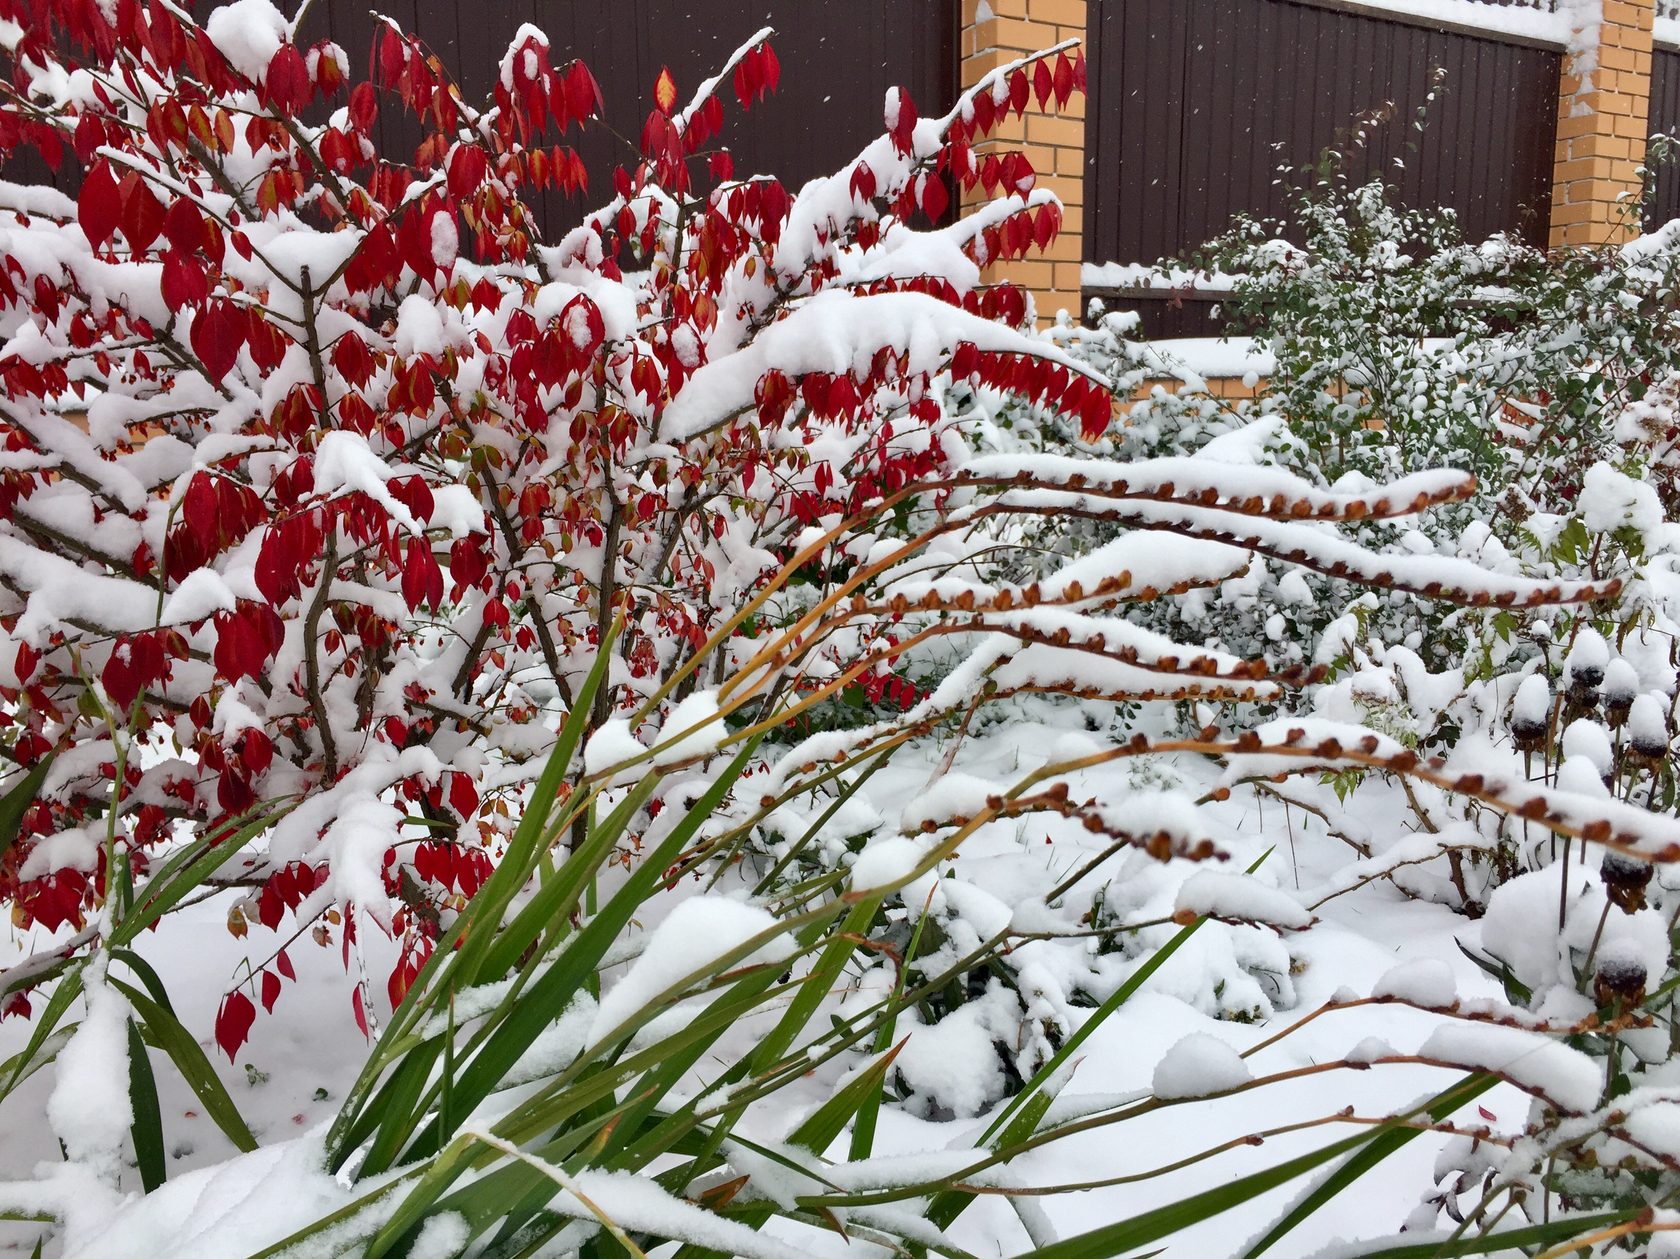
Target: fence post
x=1604 y=100
x=994 y=33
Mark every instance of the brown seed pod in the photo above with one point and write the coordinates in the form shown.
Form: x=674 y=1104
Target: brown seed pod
x=1625 y=880
x=1619 y=981
x=1529 y=736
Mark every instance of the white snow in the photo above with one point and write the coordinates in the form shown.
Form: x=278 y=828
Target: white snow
x=687 y=945
x=248 y=33
x=1566 y=1077
x=1197 y=1066
x=1422 y=981
x=1221 y=894
x=692 y=729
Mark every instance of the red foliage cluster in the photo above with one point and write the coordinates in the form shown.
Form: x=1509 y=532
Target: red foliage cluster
x=369 y=464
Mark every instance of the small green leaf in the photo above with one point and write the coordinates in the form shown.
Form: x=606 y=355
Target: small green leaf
x=147 y=1128
x=190 y=1060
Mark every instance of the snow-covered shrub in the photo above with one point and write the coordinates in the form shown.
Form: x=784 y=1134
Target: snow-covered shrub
x=328 y=471
x=375 y=560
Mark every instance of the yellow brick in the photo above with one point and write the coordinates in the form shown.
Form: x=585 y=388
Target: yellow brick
x=1060 y=12
x=1577 y=125
x=1616 y=58
x=1067 y=276
x=1584 y=168
x=1065 y=248
x=1045 y=130
x=1600 y=145
x=1632 y=127
x=1071 y=162
x=1019 y=34
x=1575 y=212
x=1029 y=273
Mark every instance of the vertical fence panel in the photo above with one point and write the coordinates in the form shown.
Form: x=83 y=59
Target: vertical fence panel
x=1269 y=83
x=1665 y=119
x=838 y=59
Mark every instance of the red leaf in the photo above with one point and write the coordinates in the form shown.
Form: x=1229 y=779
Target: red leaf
x=198 y=508
x=233 y=1022
x=467 y=562
x=121 y=678
x=934 y=197
x=862 y=185
x=1063 y=79
x=422 y=580
x=361 y=1014
x=583 y=94
x=665 y=90
x=96 y=205
x=142 y=214
x=283 y=964
x=1042 y=83
x=467 y=165
x=900 y=118
x=364 y=107
x=183 y=226
x=218 y=332
x=286 y=83
x=722 y=166
x=185 y=283
x=1487 y=1114
x=463 y=795
x=270 y=990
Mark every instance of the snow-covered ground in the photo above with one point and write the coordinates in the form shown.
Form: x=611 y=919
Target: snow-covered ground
x=1238 y=984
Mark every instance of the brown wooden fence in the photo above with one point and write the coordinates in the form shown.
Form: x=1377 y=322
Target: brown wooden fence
x=1196 y=103
x=1665 y=118
x=838 y=59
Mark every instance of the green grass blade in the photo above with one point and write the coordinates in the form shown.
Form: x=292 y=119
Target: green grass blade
x=460 y=954
x=146 y=975
x=1168 y=1220
x=15 y=803
x=186 y=872
x=863 y=1128
x=189 y=1059
x=1501 y=1241
x=147 y=1128
x=24 y=1063
x=820 y=1128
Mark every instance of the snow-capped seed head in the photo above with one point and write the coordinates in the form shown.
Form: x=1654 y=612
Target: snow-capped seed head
x=1584 y=667
x=1625 y=879
x=1529 y=712
x=1647 y=729
x=1620 y=977
x=1580 y=774
x=1621 y=684
x=1587 y=738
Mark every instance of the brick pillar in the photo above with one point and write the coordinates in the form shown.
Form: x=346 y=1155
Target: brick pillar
x=1603 y=114
x=996 y=32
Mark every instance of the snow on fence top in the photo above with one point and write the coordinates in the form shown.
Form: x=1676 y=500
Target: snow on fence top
x=1666 y=29
x=1547 y=20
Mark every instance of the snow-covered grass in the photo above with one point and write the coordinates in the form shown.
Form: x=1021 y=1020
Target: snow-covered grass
x=843 y=795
